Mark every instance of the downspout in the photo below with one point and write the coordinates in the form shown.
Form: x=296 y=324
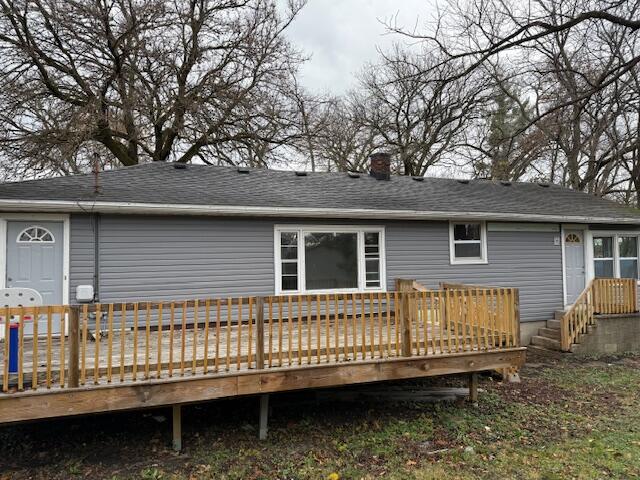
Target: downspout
x=96 y=257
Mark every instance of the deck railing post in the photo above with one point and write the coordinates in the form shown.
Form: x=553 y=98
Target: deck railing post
x=259 y=333
x=74 y=346
x=404 y=288
x=405 y=322
x=516 y=315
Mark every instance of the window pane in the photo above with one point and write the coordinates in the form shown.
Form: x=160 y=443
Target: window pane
x=289 y=238
x=372 y=265
x=467 y=250
x=628 y=268
x=602 y=247
x=289 y=283
x=628 y=247
x=371 y=238
x=466 y=231
x=289 y=253
x=603 y=268
x=371 y=250
x=289 y=268
x=331 y=260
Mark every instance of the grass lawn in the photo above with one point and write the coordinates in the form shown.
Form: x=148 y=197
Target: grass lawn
x=569 y=418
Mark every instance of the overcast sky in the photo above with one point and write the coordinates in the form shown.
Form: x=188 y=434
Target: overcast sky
x=341 y=35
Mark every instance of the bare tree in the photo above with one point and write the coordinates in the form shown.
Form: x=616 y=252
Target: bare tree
x=414 y=115
x=475 y=32
x=313 y=118
x=345 y=142
x=571 y=65
x=151 y=80
x=500 y=144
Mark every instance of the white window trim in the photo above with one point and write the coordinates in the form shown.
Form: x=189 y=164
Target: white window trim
x=483 y=245
x=301 y=230
x=616 y=252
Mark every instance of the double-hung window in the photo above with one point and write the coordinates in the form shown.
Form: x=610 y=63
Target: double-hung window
x=603 y=256
x=328 y=259
x=628 y=256
x=468 y=242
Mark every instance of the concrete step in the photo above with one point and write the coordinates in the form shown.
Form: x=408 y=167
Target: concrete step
x=558 y=314
x=538 y=348
x=553 y=333
x=549 y=343
x=553 y=324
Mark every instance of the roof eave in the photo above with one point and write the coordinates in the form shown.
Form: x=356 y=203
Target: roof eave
x=50 y=206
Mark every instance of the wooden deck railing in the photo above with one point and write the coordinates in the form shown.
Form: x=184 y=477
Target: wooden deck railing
x=133 y=342
x=601 y=296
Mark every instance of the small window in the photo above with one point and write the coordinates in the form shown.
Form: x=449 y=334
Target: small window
x=603 y=257
x=372 y=259
x=35 y=234
x=572 y=238
x=289 y=260
x=628 y=257
x=468 y=242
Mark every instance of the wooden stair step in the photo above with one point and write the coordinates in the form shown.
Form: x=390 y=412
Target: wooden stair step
x=554 y=324
x=553 y=333
x=549 y=343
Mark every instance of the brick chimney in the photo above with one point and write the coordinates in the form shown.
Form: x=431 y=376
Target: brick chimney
x=380 y=165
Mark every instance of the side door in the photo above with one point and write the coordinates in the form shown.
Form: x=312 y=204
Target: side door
x=35 y=260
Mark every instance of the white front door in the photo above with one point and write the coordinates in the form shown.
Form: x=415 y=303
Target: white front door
x=35 y=260
x=574 y=264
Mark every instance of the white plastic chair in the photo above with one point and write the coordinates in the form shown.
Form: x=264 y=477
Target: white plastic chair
x=19 y=297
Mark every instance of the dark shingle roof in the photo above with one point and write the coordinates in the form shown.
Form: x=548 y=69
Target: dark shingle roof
x=161 y=183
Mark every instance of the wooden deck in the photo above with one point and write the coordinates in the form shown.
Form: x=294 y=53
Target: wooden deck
x=151 y=354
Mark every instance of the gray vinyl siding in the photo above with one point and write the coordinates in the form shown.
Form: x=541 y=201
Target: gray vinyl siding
x=184 y=257
x=526 y=260
x=152 y=257
x=81 y=253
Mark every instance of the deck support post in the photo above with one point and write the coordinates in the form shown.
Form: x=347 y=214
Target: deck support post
x=177 y=428
x=473 y=387
x=264 y=416
x=74 y=346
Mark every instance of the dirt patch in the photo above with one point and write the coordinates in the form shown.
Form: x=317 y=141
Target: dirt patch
x=533 y=391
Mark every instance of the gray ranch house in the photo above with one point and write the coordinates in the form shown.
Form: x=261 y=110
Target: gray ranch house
x=173 y=231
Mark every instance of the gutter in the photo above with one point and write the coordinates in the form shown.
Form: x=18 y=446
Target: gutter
x=45 y=206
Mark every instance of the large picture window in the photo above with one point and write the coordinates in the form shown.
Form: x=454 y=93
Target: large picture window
x=323 y=259
x=468 y=242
